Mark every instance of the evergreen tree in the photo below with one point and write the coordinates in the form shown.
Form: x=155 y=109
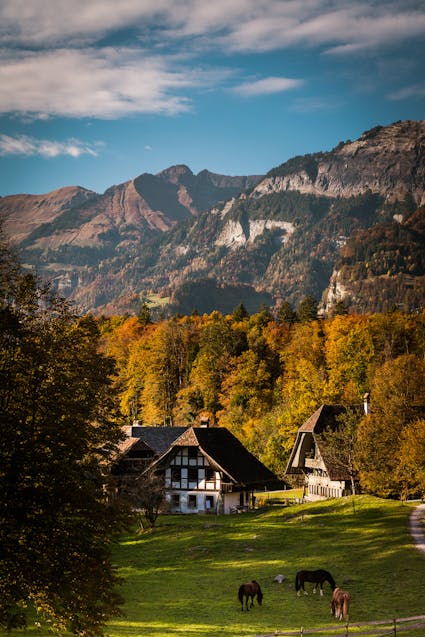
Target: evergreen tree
x=144 y=315
x=340 y=308
x=307 y=309
x=240 y=313
x=57 y=435
x=286 y=313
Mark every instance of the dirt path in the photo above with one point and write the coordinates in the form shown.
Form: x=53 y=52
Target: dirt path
x=416 y=528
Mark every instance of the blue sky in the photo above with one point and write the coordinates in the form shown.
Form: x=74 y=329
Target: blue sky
x=96 y=92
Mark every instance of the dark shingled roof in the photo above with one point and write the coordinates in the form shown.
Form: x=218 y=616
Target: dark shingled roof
x=159 y=439
x=227 y=453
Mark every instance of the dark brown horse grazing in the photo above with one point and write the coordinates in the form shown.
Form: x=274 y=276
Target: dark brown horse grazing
x=317 y=577
x=340 y=603
x=249 y=591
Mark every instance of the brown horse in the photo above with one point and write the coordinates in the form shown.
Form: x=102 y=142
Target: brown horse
x=249 y=591
x=340 y=603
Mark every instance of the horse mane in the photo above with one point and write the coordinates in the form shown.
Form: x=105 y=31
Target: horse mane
x=331 y=580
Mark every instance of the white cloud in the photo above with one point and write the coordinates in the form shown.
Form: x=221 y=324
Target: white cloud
x=242 y=25
x=315 y=104
x=30 y=146
x=337 y=27
x=103 y=83
x=46 y=23
x=409 y=92
x=51 y=63
x=267 y=86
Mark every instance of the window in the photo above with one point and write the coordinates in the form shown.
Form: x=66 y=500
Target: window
x=192 y=474
x=209 y=502
x=175 y=502
x=209 y=474
x=176 y=474
x=191 y=502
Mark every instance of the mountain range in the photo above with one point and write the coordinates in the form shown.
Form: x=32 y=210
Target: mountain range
x=343 y=225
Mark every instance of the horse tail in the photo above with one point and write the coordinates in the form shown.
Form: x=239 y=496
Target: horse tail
x=346 y=606
x=297 y=582
x=240 y=593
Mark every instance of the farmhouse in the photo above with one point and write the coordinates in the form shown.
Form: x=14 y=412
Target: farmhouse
x=205 y=469
x=323 y=479
x=143 y=445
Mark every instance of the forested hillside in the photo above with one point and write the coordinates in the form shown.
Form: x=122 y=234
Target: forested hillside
x=262 y=377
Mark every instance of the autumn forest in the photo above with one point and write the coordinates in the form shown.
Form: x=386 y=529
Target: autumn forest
x=262 y=376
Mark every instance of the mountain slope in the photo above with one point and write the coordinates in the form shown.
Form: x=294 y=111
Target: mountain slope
x=283 y=236
x=133 y=211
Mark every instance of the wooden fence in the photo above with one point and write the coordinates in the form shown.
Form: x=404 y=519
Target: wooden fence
x=379 y=628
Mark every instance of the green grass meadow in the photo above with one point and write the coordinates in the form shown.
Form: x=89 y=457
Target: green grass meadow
x=181 y=579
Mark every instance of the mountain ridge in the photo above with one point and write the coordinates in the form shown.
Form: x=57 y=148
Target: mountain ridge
x=264 y=238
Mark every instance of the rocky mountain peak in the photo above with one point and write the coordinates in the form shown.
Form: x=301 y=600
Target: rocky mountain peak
x=174 y=173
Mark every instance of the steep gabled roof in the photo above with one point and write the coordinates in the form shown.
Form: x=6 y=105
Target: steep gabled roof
x=157 y=439
x=133 y=444
x=325 y=417
x=226 y=452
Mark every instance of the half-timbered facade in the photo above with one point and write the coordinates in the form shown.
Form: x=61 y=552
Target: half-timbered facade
x=205 y=469
x=191 y=482
x=208 y=470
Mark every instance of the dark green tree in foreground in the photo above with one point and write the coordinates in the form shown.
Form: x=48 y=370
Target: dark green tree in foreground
x=57 y=435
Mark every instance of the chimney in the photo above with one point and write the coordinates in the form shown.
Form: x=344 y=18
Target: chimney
x=366 y=404
x=204 y=421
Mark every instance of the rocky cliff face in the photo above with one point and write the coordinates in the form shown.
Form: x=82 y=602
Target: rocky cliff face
x=303 y=229
x=388 y=161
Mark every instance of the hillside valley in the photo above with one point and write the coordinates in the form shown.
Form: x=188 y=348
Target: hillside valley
x=344 y=225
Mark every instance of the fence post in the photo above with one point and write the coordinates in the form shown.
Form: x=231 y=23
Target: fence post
x=395 y=626
x=346 y=629
x=302 y=631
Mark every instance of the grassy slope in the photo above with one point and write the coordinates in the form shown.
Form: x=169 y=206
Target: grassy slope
x=182 y=579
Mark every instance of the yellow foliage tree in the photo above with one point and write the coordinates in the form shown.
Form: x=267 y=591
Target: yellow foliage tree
x=398 y=393
x=349 y=353
x=411 y=467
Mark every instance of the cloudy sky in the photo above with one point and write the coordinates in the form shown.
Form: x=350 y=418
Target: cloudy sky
x=96 y=92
